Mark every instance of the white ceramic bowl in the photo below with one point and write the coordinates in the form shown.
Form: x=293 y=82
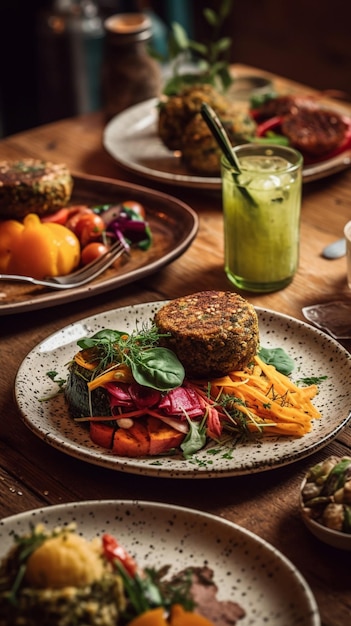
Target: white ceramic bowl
x=334 y=538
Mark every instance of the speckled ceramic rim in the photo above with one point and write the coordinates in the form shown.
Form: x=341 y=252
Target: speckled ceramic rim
x=315 y=354
x=246 y=568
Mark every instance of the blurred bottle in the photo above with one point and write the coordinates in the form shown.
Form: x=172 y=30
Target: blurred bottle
x=129 y=75
x=70 y=39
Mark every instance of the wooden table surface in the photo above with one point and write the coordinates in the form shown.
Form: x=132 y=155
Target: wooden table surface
x=33 y=474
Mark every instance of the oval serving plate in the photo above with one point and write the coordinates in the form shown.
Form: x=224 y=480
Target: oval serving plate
x=247 y=570
x=314 y=352
x=173 y=224
x=131 y=138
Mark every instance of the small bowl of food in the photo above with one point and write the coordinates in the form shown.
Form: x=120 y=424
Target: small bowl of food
x=325 y=501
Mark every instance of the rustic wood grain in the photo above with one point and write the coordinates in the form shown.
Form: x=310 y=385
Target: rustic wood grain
x=33 y=474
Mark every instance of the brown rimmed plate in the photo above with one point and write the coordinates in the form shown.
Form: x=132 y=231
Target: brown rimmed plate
x=173 y=225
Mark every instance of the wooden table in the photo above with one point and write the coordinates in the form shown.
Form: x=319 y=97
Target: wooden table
x=33 y=474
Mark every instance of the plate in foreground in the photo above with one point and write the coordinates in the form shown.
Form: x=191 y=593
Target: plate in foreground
x=247 y=570
x=315 y=354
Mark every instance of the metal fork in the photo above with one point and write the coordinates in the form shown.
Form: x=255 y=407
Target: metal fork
x=80 y=276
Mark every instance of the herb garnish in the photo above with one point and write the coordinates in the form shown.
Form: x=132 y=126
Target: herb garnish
x=311 y=380
x=151 y=365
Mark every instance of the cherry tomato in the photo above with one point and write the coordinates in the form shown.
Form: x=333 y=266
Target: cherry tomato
x=92 y=251
x=138 y=208
x=75 y=214
x=89 y=227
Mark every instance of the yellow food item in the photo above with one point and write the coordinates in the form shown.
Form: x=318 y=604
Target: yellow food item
x=37 y=249
x=178 y=617
x=67 y=560
x=153 y=617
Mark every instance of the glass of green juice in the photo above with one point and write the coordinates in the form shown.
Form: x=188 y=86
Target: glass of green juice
x=261 y=206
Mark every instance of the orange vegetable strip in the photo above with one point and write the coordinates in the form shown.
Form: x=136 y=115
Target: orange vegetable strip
x=111 y=418
x=121 y=373
x=274 y=408
x=288 y=429
x=80 y=360
x=271 y=401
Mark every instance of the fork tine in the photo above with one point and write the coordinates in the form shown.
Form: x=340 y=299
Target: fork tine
x=87 y=269
x=78 y=278
x=93 y=269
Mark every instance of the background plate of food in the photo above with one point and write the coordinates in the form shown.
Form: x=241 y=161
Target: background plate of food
x=249 y=572
x=155 y=140
x=316 y=356
x=173 y=226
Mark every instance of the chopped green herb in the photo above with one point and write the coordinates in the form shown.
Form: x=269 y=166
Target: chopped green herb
x=311 y=380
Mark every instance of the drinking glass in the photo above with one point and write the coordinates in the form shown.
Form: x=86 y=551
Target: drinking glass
x=261 y=207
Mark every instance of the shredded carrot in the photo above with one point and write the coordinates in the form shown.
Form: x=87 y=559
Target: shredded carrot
x=269 y=401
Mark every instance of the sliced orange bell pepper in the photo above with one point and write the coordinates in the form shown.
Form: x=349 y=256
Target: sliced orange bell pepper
x=35 y=249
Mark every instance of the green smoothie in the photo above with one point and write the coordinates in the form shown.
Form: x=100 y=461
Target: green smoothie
x=262 y=217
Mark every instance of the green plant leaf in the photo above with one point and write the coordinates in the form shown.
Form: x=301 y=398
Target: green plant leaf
x=210 y=16
x=181 y=49
x=180 y=36
x=195 y=439
x=225 y=77
x=225 y=8
x=200 y=48
x=279 y=358
x=222 y=44
x=158 y=368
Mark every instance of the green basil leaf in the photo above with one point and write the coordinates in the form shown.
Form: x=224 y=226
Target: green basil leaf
x=158 y=368
x=279 y=358
x=105 y=336
x=195 y=439
x=110 y=335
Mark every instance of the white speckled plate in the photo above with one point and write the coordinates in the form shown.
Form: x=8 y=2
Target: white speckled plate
x=315 y=354
x=131 y=138
x=247 y=570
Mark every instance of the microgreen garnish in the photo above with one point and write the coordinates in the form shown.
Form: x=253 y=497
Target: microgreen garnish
x=311 y=380
x=59 y=381
x=151 y=365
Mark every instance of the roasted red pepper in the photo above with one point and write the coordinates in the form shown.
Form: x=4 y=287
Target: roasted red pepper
x=113 y=550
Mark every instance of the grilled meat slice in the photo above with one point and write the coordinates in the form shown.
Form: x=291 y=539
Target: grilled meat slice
x=284 y=105
x=314 y=132
x=204 y=593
